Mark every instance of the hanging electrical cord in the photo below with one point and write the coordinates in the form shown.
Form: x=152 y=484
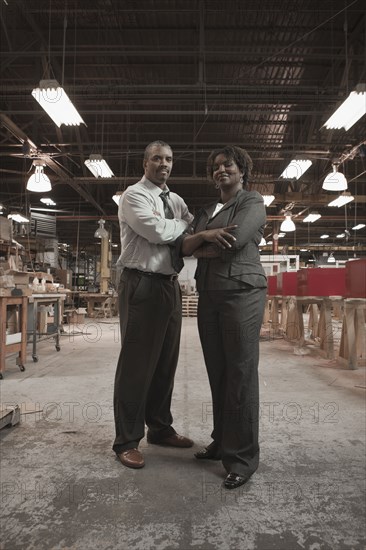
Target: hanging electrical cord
x=77 y=241
x=63 y=49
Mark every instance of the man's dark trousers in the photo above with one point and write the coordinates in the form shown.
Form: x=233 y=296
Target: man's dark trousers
x=150 y=310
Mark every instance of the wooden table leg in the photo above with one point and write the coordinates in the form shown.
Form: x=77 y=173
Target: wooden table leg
x=2 y=336
x=326 y=329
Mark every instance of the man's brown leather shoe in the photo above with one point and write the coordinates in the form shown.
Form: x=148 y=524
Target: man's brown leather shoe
x=132 y=458
x=173 y=440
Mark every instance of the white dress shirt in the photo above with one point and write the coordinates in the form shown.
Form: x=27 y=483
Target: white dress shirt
x=145 y=232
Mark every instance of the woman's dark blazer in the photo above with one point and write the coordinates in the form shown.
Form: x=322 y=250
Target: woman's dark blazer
x=239 y=266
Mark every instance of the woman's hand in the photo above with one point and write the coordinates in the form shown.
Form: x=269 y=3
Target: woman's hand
x=221 y=237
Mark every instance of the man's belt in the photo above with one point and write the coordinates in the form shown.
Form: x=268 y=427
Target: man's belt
x=172 y=277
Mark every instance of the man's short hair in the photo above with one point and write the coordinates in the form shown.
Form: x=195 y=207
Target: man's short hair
x=156 y=143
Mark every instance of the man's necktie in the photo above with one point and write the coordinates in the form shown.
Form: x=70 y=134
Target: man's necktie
x=177 y=261
x=167 y=209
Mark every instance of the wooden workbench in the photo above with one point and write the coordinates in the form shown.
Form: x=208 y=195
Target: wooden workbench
x=46 y=298
x=20 y=302
x=352 y=349
x=320 y=323
x=93 y=299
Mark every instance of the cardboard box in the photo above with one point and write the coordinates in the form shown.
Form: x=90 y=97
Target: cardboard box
x=76 y=316
x=7 y=281
x=13 y=338
x=42 y=320
x=12 y=320
x=320 y=281
x=6 y=232
x=21 y=277
x=64 y=277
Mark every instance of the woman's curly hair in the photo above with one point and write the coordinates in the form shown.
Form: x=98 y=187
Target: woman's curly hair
x=238 y=155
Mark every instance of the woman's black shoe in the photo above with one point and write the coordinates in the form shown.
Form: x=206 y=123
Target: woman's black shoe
x=211 y=452
x=235 y=480
x=208 y=454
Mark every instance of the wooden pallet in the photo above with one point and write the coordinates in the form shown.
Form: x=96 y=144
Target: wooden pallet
x=9 y=415
x=189 y=306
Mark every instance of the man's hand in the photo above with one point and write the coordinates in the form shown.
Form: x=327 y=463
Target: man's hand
x=207 y=251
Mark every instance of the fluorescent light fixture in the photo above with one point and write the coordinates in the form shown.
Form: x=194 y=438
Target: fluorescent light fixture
x=312 y=217
x=48 y=201
x=341 y=235
x=101 y=232
x=39 y=182
x=98 y=166
x=342 y=200
x=325 y=236
x=117 y=196
x=351 y=110
x=359 y=226
x=18 y=217
x=331 y=258
x=268 y=199
x=56 y=103
x=263 y=242
x=280 y=235
x=335 y=181
x=296 y=169
x=287 y=225
x=303 y=249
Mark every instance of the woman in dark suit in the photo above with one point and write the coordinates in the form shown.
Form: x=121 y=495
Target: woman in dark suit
x=232 y=288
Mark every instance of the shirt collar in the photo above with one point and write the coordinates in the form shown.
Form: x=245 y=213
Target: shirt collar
x=155 y=189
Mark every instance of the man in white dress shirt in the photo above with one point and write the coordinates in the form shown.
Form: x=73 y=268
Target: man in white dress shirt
x=151 y=218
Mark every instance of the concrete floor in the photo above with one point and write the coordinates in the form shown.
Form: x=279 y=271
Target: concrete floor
x=62 y=487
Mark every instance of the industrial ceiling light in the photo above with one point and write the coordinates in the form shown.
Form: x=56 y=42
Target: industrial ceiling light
x=268 y=199
x=335 y=181
x=325 y=236
x=287 y=225
x=117 y=197
x=351 y=110
x=341 y=236
x=296 y=169
x=48 y=201
x=39 y=182
x=280 y=235
x=343 y=199
x=263 y=242
x=355 y=228
x=56 y=103
x=312 y=217
x=101 y=232
x=98 y=167
x=18 y=217
x=331 y=258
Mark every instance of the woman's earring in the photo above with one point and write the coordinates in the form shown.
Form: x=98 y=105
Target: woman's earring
x=241 y=180
x=217 y=186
